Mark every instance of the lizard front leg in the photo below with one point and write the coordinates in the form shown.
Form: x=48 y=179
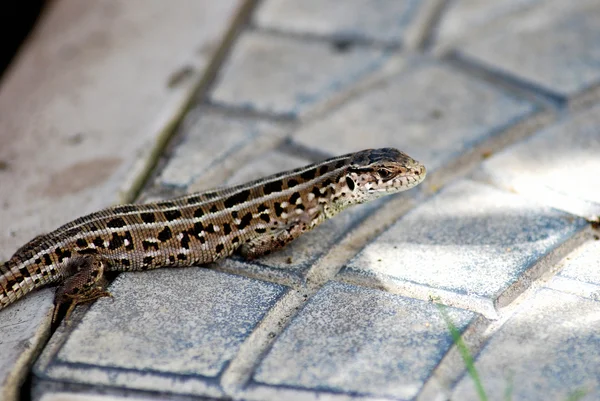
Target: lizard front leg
x=86 y=282
x=269 y=242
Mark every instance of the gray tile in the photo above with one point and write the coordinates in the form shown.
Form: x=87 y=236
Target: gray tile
x=547 y=351
x=209 y=138
x=288 y=77
x=558 y=166
x=462 y=17
x=355 y=340
x=385 y=20
x=432 y=112
x=472 y=245
x=554 y=48
x=580 y=274
x=168 y=330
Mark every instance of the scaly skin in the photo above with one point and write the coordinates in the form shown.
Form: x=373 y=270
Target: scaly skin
x=253 y=219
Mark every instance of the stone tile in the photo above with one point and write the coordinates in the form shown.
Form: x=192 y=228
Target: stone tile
x=472 y=245
x=558 y=166
x=209 y=139
x=83 y=107
x=288 y=77
x=462 y=17
x=292 y=263
x=384 y=20
x=358 y=341
x=547 y=351
x=580 y=274
x=432 y=112
x=167 y=330
x=24 y=327
x=553 y=48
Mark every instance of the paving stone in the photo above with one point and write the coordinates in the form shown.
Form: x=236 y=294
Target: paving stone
x=288 y=77
x=292 y=263
x=580 y=274
x=431 y=111
x=472 y=245
x=558 y=166
x=209 y=138
x=82 y=107
x=361 y=341
x=385 y=20
x=21 y=338
x=166 y=330
x=553 y=48
x=462 y=17
x=547 y=351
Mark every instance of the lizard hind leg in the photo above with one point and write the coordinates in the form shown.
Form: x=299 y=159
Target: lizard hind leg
x=85 y=282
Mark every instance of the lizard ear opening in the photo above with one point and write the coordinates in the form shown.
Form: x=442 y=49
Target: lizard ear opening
x=350 y=183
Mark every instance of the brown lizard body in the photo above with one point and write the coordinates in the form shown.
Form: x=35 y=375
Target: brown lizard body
x=253 y=219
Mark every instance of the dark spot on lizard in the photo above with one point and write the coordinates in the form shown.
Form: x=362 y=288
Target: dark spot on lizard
x=171 y=215
x=93 y=227
x=193 y=200
x=124 y=209
x=198 y=228
x=226 y=228
x=129 y=238
x=234 y=214
x=340 y=164
x=87 y=251
x=278 y=209
x=299 y=207
x=260 y=230
x=350 y=183
x=165 y=234
x=235 y=240
x=238 y=198
x=214 y=209
x=265 y=217
x=171 y=258
x=181 y=256
x=166 y=204
x=148 y=217
x=271 y=187
x=185 y=240
x=219 y=248
x=125 y=262
x=245 y=221
x=24 y=271
x=295 y=196
x=262 y=208
x=99 y=242
x=116 y=242
x=316 y=192
x=47 y=259
x=324 y=168
x=149 y=244
x=147 y=261
x=198 y=213
x=327 y=183
x=116 y=223
x=81 y=242
x=292 y=183
x=210 y=228
x=309 y=174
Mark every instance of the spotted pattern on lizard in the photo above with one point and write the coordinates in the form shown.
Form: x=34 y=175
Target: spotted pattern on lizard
x=252 y=219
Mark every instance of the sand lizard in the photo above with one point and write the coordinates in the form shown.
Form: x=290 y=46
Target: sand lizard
x=253 y=219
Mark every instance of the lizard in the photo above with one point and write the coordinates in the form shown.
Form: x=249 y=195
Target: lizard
x=252 y=219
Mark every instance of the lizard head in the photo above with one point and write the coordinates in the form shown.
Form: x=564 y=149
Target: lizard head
x=376 y=172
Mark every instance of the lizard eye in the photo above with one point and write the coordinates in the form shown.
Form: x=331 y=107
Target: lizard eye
x=383 y=173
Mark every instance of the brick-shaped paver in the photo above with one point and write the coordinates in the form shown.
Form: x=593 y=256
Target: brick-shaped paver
x=162 y=332
x=387 y=20
x=209 y=139
x=288 y=77
x=558 y=166
x=472 y=245
x=580 y=274
x=547 y=351
x=553 y=48
x=432 y=112
x=82 y=108
x=461 y=18
x=357 y=341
